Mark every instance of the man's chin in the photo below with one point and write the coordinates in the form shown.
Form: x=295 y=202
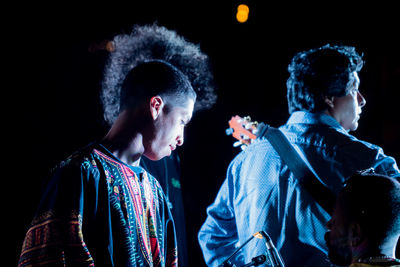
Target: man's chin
x=155 y=157
x=353 y=127
x=339 y=260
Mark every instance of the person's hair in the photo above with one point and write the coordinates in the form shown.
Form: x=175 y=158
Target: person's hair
x=152 y=78
x=153 y=42
x=318 y=73
x=374 y=202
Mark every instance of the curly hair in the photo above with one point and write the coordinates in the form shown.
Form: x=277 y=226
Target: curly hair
x=153 y=42
x=320 y=72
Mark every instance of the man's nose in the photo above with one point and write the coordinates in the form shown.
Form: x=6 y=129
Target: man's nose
x=361 y=100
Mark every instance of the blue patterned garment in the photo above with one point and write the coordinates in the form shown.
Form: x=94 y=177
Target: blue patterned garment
x=99 y=211
x=260 y=193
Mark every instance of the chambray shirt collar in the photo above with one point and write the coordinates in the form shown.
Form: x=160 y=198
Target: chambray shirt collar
x=314 y=118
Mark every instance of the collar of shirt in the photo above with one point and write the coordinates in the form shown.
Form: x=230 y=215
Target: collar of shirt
x=314 y=118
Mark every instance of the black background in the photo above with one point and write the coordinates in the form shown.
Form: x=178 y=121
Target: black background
x=52 y=79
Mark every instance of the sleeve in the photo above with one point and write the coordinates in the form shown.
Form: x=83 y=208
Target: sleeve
x=55 y=235
x=218 y=235
x=364 y=155
x=386 y=165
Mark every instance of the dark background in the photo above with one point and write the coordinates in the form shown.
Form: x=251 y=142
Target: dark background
x=51 y=104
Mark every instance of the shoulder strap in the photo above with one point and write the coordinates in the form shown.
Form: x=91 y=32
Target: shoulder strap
x=308 y=179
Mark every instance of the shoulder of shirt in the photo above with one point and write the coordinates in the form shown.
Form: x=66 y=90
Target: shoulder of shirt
x=259 y=147
x=328 y=135
x=317 y=135
x=82 y=158
x=303 y=124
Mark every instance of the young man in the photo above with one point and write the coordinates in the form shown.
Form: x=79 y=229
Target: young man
x=261 y=193
x=100 y=207
x=150 y=42
x=365 y=225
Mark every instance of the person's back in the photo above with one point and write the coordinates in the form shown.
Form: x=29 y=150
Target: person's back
x=291 y=217
x=261 y=193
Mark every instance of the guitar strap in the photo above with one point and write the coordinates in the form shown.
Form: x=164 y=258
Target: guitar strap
x=301 y=170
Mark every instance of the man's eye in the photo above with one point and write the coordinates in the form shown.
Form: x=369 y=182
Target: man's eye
x=353 y=90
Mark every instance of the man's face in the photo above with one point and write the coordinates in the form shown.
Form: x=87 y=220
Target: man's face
x=339 y=237
x=169 y=130
x=347 y=109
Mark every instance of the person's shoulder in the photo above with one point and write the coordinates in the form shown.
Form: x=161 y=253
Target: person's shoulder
x=338 y=139
x=348 y=146
x=261 y=148
x=81 y=158
x=70 y=171
x=348 y=141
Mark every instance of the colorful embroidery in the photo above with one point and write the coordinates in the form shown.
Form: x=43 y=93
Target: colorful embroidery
x=132 y=231
x=140 y=212
x=45 y=243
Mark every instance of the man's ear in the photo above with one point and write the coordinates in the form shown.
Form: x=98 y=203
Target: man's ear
x=329 y=100
x=156 y=106
x=356 y=234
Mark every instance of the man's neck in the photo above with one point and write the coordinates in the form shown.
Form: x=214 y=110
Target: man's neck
x=128 y=151
x=125 y=138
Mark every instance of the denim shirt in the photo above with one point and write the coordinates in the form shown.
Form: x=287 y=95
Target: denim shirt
x=260 y=193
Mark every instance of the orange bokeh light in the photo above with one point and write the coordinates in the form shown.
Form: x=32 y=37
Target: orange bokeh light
x=242 y=14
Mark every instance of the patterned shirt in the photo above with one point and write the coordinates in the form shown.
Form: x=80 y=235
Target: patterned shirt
x=391 y=263
x=261 y=194
x=99 y=211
